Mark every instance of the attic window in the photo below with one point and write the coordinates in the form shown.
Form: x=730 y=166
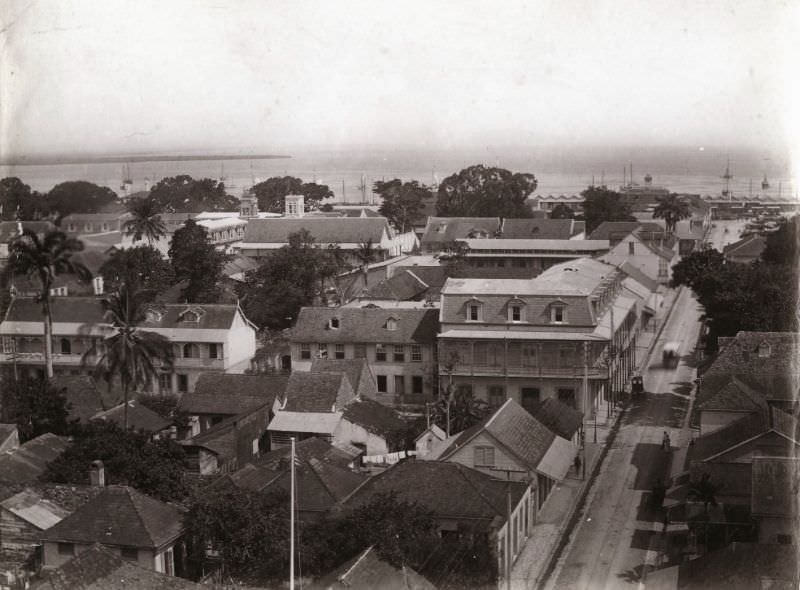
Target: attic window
x=764 y=350
x=191 y=316
x=558 y=314
x=391 y=324
x=333 y=323
x=441 y=228
x=153 y=315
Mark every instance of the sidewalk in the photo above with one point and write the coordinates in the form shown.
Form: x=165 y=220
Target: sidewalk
x=556 y=517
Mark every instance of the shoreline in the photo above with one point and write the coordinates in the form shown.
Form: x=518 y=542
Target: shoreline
x=72 y=161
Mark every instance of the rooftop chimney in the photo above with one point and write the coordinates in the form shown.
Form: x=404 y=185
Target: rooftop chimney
x=295 y=206
x=97 y=474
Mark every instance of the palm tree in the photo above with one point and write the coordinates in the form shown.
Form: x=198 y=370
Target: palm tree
x=146 y=221
x=365 y=254
x=704 y=490
x=131 y=354
x=44 y=259
x=672 y=209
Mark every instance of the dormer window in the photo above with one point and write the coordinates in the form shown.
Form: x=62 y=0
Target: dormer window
x=391 y=324
x=558 y=314
x=191 y=316
x=474 y=312
x=333 y=323
x=515 y=313
x=441 y=228
x=153 y=315
x=764 y=350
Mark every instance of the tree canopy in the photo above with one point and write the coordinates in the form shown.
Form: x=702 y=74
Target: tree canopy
x=672 y=209
x=403 y=202
x=155 y=468
x=79 y=196
x=272 y=192
x=562 y=211
x=146 y=219
x=481 y=191
x=18 y=201
x=184 y=194
x=292 y=277
x=33 y=404
x=196 y=261
x=142 y=268
x=782 y=246
x=602 y=204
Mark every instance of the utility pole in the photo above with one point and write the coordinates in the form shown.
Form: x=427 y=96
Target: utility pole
x=509 y=533
x=585 y=402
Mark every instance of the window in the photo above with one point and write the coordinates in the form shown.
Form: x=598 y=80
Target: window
x=464 y=389
x=87 y=227
x=391 y=324
x=322 y=351
x=529 y=354
x=338 y=351
x=66 y=346
x=130 y=553
x=165 y=383
x=8 y=345
x=566 y=357
x=334 y=324
x=190 y=316
x=169 y=562
x=416 y=353
x=530 y=398
x=416 y=384
x=514 y=313
x=399 y=353
x=483 y=456
x=305 y=351
x=764 y=350
x=566 y=395
x=191 y=351
x=360 y=351
x=183 y=383
x=474 y=312
x=558 y=314
x=105 y=227
x=380 y=353
x=214 y=351
x=631 y=248
x=71 y=227
x=381 y=379
x=66 y=549
x=501 y=263
x=399 y=384
x=662 y=267
x=497 y=395
x=518 y=263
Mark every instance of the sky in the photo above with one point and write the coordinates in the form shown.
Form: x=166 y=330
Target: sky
x=263 y=76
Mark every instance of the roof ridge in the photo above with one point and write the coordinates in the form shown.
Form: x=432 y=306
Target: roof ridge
x=133 y=497
x=483 y=497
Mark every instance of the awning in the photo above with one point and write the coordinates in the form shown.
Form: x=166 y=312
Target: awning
x=313 y=422
x=558 y=459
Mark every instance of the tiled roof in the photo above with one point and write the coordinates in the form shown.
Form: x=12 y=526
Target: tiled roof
x=374 y=417
x=638 y=276
x=367 y=571
x=120 y=516
x=559 y=418
x=99 y=568
x=325 y=230
x=68 y=497
x=30 y=459
x=140 y=417
x=88 y=310
x=720 y=440
x=775 y=486
x=449 y=490
x=750 y=246
x=317 y=392
x=239 y=264
x=617 y=230
x=82 y=395
x=757 y=353
x=309 y=448
x=401 y=286
x=540 y=229
x=366 y=325
x=229 y=394
x=442 y=230
x=33 y=508
x=357 y=370
x=735 y=395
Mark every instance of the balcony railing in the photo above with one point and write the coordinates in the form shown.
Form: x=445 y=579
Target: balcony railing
x=72 y=360
x=198 y=363
x=523 y=371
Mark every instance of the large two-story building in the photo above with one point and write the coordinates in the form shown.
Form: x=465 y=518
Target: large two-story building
x=205 y=338
x=399 y=344
x=547 y=337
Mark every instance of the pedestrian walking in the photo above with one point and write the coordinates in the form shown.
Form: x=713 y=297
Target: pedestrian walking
x=665 y=441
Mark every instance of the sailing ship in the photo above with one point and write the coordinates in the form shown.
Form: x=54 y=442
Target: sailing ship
x=127 y=181
x=765 y=183
x=727 y=177
x=362 y=186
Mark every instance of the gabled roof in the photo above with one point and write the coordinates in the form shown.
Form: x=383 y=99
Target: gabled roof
x=617 y=230
x=367 y=571
x=310 y=448
x=734 y=396
x=325 y=230
x=140 y=417
x=229 y=394
x=120 y=515
x=357 y=370
x=559 y=418
x=638 y=276
x=317 y=392
x=449 y=490
x=239 y=264
x=540 y=229
x=30 y=459
x=442 y=230
x=734 y=479
x=401 y=286
x=775 y=486
x=742 y=355
x=99 y=568
x=750 y=246
x=34 y=509
x=718 y=441
x=374 y=418
x=366 y=325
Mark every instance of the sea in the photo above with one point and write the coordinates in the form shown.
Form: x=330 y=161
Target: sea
x=350 y=174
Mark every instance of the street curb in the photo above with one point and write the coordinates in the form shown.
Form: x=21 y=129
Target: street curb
x=572 y=520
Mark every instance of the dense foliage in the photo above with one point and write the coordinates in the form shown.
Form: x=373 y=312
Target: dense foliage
x=562 y=211
x=672 y=209
x=185 y=194
x=145 y=222
x=196 y=261
x=79 y=196
x=141 y=268
x=272 y=192
x=292 y=277
x=601 y=204
x=18 y=201
x=402 y=202
x=131 y=458
x=481 y=191
x=34 y=405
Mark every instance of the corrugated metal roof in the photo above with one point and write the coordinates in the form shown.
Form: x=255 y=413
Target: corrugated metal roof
x=32 y=508
x=316 y=422
x=558 y=459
